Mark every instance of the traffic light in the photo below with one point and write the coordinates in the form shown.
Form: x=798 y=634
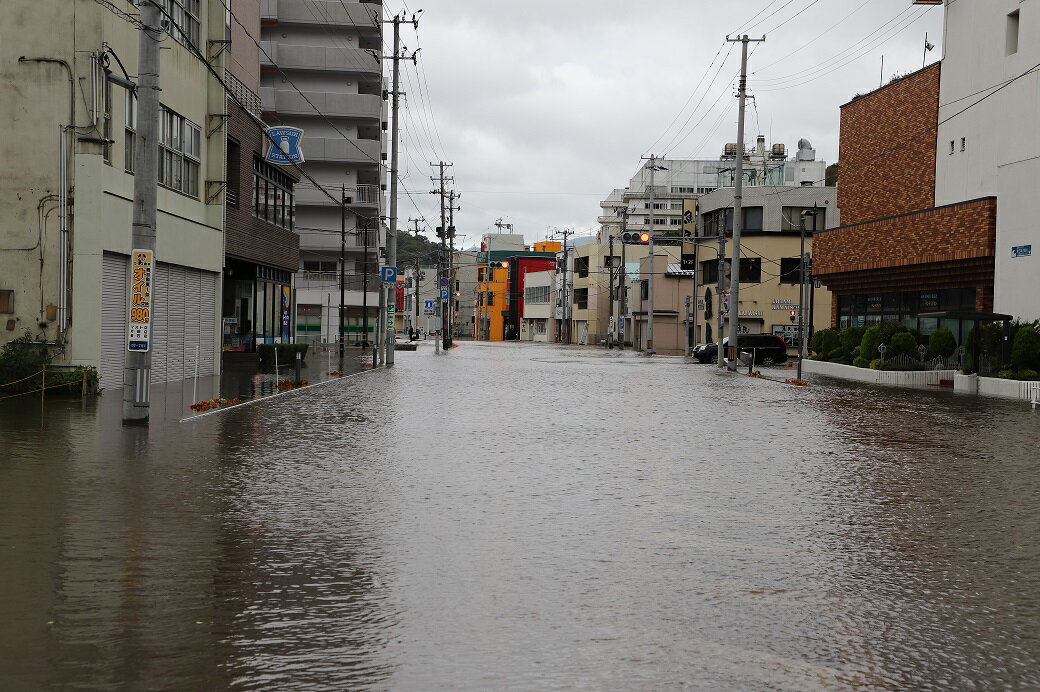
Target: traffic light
x=794 y=315
x=635 y=238
x=500 y=265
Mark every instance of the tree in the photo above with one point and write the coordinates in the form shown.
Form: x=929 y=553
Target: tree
x=941 y=344
x=832 y=174
x=1025 y=349
x=904 y=343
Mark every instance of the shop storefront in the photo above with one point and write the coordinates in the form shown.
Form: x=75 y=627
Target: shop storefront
x=257 y=306
x=866 y=309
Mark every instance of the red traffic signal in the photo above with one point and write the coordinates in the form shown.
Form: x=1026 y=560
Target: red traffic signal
x=794 y=315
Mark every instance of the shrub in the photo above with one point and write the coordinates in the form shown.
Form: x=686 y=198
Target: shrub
x=850 y=338
x=1025 y=349
x=875 y=364
x=286 y=353
x=861 y=362
x=941 y=344
x=1006 y=374
x=1027 y=374
x=868 y=346
x=903 y=343
x=826 y=340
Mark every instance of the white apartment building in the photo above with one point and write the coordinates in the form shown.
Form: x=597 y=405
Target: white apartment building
x=989 y=140
x=66 y=227
x=321 y=70
x=537 y=323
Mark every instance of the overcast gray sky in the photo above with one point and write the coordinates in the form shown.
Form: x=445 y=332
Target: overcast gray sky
x=545 y=106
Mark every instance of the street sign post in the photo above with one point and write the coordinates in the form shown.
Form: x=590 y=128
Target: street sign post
x=388 y=275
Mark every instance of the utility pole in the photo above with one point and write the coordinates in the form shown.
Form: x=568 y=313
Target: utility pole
x=138 y=368
x=621 y=281
x=342 y=267
x=418 y=272
x=803 y=286
x=720 y=331
x=365 y=270
x=610 y=280
x=391 y=235
x=452 y=196
x=650 y=350
x=738 y=193
x=565 y=335
x=442 y=233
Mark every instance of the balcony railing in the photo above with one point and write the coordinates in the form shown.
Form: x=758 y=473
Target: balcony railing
x=325 y=58
x=329 y=280
x=323 y=12
x=312 y=102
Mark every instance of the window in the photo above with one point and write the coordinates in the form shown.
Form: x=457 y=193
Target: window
x=715 y=220
x=130 y=131
x=611 y=262
x=675 y=222
x=185 y=14
x=684 y=190
x=710 y=271
x=581 y=299
x=272 y=194
x=750 y=270
x=179 y=152
x=676 y=206
x=539 y=326
x=7 y=301
x=489 y=299
x=752 y=218
x=644 y=290
x=660 y=221
x=657 y=205
x=234 y=172
x=537 y=295
x=791 y=218
x=1011 y=45
x=321 y=267
x=480 y=274
x=581 y=267
x=705 y=190
x=790 y=270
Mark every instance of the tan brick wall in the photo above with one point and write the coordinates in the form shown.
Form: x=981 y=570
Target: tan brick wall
x=887 y=149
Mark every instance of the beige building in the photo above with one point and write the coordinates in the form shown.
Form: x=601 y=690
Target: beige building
x=537 y=323
x=673 y=288
x=66 y=227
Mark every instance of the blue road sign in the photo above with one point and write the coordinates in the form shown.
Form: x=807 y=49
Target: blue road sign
x=444 y=294
x=428 y=307
x=388 y=275
x=444 y=282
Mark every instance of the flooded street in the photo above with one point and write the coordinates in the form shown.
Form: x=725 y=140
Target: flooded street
x=526 y=517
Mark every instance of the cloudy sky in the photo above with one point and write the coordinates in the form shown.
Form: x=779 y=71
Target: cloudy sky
x=544 y=106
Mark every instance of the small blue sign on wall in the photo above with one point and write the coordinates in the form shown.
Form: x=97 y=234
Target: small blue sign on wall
x=283 y=145
x=388 y=275
x=1021 y=250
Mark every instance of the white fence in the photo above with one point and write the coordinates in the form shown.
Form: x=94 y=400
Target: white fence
x=895 y=378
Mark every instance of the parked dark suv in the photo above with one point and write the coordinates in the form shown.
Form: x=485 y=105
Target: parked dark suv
x=768 y=349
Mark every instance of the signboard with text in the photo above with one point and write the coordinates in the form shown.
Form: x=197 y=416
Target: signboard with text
x=1021 y=250
x=283 y=145
x=139 y=313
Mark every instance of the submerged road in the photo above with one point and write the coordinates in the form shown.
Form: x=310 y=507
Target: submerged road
x=526 y=517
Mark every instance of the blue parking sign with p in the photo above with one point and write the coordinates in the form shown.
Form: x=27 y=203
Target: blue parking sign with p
x=388 y=275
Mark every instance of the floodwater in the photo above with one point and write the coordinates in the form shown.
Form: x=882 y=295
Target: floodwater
x=526 y=517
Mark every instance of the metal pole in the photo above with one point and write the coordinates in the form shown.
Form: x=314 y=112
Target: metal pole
x=720 y=332
x=342 y=266
x=801 y=296
x=364 y=292
x=137 y=370
x=812 y=287
x=650 y=350
x=610 y=280
x=391 y=240
x=621 y=281
x=738 y=193
x=693 y=318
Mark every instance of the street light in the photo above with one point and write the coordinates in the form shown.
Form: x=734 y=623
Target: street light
x=802 y=286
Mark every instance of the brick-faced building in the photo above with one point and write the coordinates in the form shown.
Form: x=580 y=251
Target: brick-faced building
x=897 y=254
x=261 y=249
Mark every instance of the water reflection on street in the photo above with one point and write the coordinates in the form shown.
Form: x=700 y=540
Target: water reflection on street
x=529 y=517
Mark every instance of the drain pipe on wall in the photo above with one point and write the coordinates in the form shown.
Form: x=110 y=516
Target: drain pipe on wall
x=64 y=153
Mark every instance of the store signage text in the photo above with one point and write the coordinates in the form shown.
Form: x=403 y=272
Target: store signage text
x=139 y=326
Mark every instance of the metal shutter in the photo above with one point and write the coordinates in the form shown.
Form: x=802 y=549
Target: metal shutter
x=207 y=318
x=114 y=269
x=193 y=312
x=160 y=323
x=175 y=307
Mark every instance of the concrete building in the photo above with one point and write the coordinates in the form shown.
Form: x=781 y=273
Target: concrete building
x=261 y=252
x=988 y=143
x=769 y=266
x=672 y=288
x=66 y=226
x=537 y=323
x=923 y=237
x=326 y=56
x=421 y=291
x=465 y=265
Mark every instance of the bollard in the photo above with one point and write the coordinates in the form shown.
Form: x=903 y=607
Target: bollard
x=299 y=367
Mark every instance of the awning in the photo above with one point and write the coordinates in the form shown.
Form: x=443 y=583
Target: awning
x=966 y=315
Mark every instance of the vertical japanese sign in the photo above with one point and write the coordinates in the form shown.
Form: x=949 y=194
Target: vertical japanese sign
x=139 y=327
x=286 y=303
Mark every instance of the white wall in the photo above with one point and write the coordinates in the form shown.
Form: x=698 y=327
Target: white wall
x=1001 y=134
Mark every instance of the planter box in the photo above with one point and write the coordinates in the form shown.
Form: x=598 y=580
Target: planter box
x=893 y=378
x=1009 y=389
